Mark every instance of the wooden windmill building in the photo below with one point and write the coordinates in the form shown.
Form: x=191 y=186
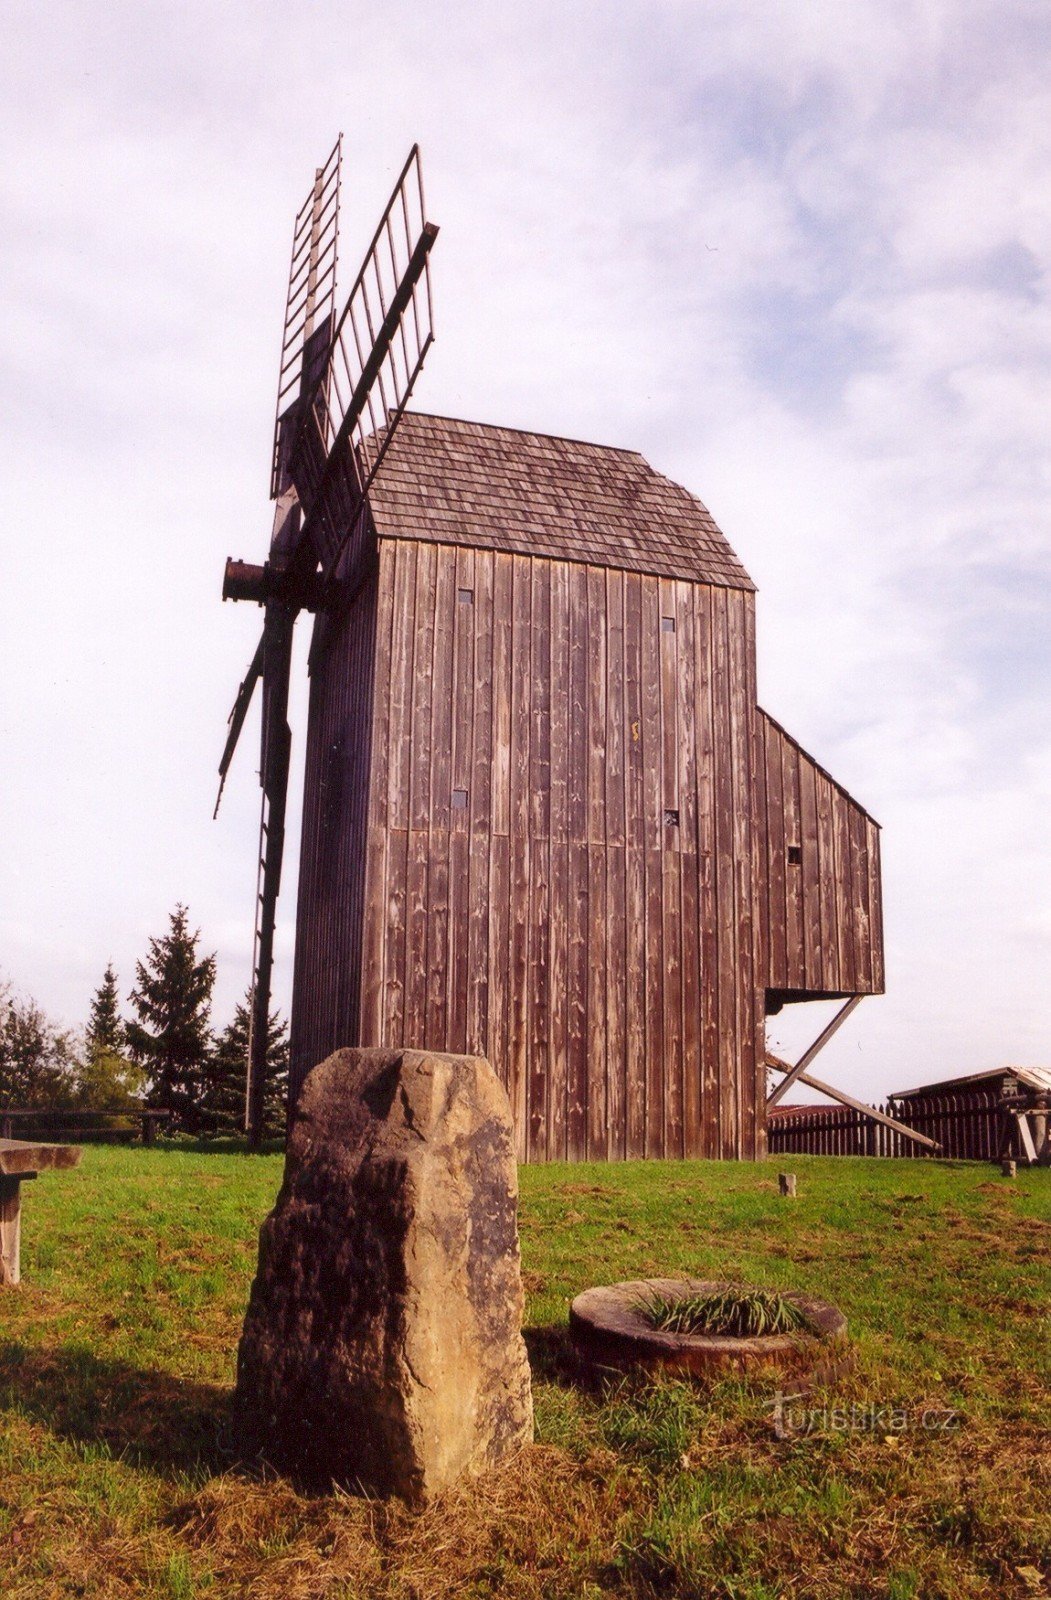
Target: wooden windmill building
x=544 y=819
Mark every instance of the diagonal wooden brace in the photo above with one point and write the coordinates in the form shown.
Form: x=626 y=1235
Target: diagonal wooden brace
x=793 y=1074
x=859 y=1105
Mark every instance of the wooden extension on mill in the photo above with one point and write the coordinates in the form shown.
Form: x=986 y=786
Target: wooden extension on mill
x=545 y=820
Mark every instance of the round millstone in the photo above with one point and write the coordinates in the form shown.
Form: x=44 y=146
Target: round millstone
x=610 y=1328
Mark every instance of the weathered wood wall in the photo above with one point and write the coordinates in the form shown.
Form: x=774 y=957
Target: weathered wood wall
x=558 y=868
x=326 y=976
x=820 y=876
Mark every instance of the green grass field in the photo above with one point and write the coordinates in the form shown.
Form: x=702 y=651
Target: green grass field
x=117 y=1357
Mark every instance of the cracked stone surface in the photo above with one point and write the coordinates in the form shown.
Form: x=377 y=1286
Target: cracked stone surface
x=382 y=1345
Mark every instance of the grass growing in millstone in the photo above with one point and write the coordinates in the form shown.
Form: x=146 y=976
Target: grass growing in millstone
x=733 y=1311
x=922 y=1474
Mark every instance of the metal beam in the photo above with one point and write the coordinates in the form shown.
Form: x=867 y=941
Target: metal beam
x=793 y=1074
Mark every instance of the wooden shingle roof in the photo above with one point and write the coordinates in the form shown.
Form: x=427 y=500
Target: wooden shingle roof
x=455 y=482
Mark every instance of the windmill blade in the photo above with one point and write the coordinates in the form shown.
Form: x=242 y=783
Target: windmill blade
x=377 y=350
x=309 y=308
x=342 y=388
x=273 y=775
x=236 y=719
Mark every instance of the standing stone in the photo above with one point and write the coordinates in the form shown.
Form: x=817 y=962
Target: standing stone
x=382 y=1345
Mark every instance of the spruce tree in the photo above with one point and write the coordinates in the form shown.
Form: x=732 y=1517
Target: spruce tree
x=170 y=1039
x=105 y=1028
x=107 y=1079
x=227 y=1077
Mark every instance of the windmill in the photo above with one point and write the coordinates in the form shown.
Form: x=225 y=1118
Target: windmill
x=342 y=387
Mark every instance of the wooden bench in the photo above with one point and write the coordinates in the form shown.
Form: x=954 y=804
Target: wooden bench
x=20 y=1160
x=61 y=1127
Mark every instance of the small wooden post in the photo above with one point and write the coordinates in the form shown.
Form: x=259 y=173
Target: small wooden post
x=10 y=1229
x=786 y=1182
x=1008 y=1167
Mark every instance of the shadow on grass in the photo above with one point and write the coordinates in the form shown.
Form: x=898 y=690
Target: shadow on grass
x=183 y=1144
x=168 y=1425
x=553 y=1359
x=177 y=1427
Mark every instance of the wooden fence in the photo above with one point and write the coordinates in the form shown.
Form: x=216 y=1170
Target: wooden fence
x=968 y=1127
x=81 y=1127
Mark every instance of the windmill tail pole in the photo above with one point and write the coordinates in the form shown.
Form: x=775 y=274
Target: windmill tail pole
x=257 y=1039
x=259 y=1022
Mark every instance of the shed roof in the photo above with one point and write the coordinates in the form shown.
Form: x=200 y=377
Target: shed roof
x=454 y=482
x=1038 y=1078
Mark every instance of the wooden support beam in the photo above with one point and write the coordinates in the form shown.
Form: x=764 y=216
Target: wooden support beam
x=11 y=1227
x=855 y=1105
x=794 y=1074
x=20 y=1160
x=1025 y=1137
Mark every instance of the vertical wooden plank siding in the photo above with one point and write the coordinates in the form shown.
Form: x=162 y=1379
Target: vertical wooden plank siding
x=758 y=941
x=634 y=925
x=577 y=891
x=689 y=862
x=725 y=919
x=751 y=1038
x=480 y=797
x=538 y=1025
x=557 y=866
x=558 y=1056
x=616 y=872
x=336 y=951
x=824 y=934
x=519 y=694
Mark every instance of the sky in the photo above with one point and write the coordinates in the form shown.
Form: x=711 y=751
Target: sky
x=794 y=252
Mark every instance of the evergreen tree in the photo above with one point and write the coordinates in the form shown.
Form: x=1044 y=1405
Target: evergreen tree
x=170 y=1039
x=105 y=1028
x=36 y=1057
x=107 y=1079
x=227 y=1077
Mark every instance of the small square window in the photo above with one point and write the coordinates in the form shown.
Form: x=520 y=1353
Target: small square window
x=671 y=819
x=459 y=799
x=465 y=596
x=795 y=855
x=667 y=624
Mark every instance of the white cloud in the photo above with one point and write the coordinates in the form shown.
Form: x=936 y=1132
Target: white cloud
x=796 y=253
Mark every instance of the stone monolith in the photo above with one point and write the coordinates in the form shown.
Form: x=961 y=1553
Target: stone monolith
x=382 y=1345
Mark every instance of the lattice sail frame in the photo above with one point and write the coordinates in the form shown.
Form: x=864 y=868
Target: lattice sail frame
x=311 y=293
x=342 y=388
x=377 y=350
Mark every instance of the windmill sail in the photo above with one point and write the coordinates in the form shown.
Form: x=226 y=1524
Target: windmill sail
x=378 y=348
x=342 y=387
x=308 y=309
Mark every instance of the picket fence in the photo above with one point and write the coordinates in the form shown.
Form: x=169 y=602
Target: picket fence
x=968 y=1127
